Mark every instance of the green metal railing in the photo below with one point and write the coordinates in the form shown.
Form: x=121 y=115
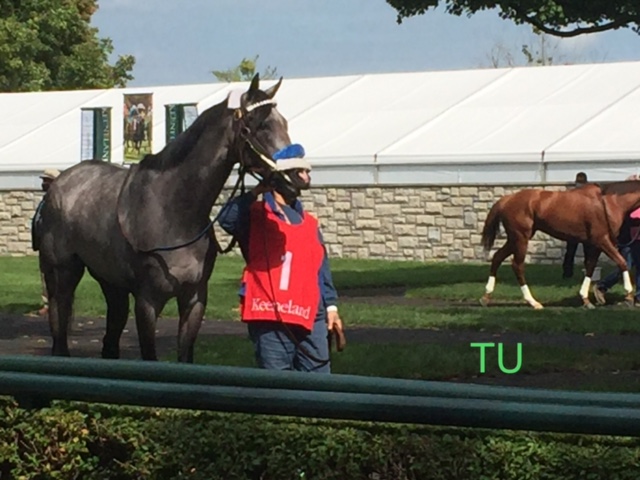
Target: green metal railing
x=36 y=380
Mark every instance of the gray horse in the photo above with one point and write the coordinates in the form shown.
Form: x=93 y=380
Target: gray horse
x=112 y=220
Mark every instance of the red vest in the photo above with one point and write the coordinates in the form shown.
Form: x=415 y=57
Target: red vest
x=282 y=269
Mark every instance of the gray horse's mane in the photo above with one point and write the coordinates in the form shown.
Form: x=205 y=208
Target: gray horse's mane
x=178 y=149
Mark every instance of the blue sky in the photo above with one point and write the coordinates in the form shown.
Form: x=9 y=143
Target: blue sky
x=180 y=42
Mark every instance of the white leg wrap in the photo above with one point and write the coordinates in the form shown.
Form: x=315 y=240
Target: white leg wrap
x=491 y=285
x=527 y=295
x=584 y=289
x=627 y=281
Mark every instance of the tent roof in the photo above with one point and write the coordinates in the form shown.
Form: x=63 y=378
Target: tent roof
x=541 y=118
x=376 y=111
x=614 y=133
x=519 y=115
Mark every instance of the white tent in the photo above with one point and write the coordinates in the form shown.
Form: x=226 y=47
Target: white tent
x=514 y=125
x=507 y=129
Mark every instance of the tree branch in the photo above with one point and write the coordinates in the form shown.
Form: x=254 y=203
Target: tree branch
x=620 y=23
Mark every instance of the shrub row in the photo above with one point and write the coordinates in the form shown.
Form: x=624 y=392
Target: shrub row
x=87 y=441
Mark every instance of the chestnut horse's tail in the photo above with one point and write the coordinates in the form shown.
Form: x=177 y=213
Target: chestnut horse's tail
x=491 y=225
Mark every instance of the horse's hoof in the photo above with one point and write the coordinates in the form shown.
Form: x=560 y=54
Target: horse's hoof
x=484 y=301
x=586 y=303
x=537 y=306
x=599 y=295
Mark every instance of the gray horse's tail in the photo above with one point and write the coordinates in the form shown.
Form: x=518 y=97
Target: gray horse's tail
x=491 y=225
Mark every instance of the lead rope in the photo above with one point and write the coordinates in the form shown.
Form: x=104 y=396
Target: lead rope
x=239 y=182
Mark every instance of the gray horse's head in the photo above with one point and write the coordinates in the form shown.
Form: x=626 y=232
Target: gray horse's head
x=260 y=129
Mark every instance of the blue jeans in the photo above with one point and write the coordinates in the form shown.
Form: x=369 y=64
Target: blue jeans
x=631 y=254
x=275 y=350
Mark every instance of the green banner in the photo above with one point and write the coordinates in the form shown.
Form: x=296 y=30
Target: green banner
x=102 y=134
x=174 y=117
x=178 y=117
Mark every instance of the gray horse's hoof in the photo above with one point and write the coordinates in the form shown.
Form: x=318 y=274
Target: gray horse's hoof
x=484 y=301
x=588 y=306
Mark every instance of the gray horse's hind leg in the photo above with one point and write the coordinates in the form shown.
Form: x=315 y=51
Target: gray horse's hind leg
x=147 y=309
x=191 y=305
x=117 y=315
x=62 y=281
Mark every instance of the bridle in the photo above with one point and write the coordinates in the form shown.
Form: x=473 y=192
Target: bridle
x=244 y=136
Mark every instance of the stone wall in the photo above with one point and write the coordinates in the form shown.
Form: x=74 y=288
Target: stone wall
x=427 y=223
x=16 y=211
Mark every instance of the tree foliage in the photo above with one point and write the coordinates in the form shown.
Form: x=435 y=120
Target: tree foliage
x=245 y=71
x=50 y=45
x=561 y=18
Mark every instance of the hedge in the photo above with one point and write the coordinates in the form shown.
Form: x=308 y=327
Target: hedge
x=73 y=440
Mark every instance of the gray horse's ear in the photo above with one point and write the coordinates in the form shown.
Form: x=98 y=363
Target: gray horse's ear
x=271 y=91
x=255 y=83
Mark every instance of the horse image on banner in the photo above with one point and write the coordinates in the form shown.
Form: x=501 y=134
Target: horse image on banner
x=138 y=126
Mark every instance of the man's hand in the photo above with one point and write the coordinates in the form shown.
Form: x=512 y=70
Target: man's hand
x=334 y=325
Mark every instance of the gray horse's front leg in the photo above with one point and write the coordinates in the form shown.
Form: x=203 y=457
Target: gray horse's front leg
x=191 y=305
x=147 y=310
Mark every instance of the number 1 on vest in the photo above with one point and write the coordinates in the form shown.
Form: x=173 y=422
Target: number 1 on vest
x=285 y=274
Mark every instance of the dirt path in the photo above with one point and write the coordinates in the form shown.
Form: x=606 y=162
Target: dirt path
x=30 y=335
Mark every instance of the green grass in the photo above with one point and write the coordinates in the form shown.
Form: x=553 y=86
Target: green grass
x=403 y=294
x=131 y=155
x=428 y=295
x=439 y=362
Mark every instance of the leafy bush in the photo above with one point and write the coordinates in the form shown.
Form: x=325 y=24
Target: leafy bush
x=88 y=441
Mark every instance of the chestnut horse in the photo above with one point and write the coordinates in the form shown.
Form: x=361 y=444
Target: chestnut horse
x=591 y=215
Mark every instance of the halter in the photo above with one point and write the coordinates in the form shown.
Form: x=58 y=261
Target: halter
x=243 y=134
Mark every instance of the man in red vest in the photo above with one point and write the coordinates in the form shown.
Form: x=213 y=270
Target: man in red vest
x=288 y=299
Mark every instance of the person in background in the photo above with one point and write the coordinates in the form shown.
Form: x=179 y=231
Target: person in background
x=47 y=177
x=629 y=248
x=572 y=247
x=288 y=299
